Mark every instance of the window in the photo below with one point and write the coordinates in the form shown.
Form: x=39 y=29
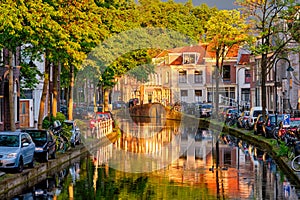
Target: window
x=198 y=75
x=198 y=95
x=226 y=72
x=184 y=95
x=182 y=76
x=167 y=77
x=247 y=76
x=190 y=58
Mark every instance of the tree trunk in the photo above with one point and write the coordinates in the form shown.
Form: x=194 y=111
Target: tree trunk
x=217 y=79
x=54 y=89
x=71 y=91
x=263 y=83
x=216 y=95
x=44 y=93
x=142 y=92
x=11 y=95
x=106 y=98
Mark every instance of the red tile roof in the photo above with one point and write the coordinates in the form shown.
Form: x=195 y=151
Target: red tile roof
x=204 y=50
x=244 y=59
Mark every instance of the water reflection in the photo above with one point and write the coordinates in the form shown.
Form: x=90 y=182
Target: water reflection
x=183 y=167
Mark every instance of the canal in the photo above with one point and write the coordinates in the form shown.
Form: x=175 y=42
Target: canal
x=167 y=160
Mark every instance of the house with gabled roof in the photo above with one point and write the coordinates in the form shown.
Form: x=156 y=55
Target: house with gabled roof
x=187 y=74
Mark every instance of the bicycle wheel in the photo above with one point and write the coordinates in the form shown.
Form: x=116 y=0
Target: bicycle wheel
x=296 y=164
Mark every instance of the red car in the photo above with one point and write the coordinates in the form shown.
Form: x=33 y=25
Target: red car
x=100 y=116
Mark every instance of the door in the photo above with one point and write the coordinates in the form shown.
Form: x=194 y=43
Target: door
x=24 y=114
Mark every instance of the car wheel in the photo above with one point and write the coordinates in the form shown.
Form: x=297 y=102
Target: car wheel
x=79 y=140
x=264 y=132
x=20 y=166
x=73 y=144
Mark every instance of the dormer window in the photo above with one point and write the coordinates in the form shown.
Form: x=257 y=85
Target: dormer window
x=190 y=58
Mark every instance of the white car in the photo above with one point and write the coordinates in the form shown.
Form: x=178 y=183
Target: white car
x=254 y=112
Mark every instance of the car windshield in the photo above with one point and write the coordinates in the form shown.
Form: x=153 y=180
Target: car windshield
x=295 y=123
x=256 y=113
x=9 y=140
x=246 y=113
x=38 y=135
x=206 y=106
x=232 y=111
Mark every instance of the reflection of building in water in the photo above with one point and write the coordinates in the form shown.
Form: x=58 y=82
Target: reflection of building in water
x=145 y=137
x=102 y=155
x=239 y=176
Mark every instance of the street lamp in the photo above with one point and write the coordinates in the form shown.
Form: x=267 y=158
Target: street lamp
x=289 y=69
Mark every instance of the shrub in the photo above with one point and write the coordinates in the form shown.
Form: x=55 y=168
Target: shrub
x=60 y=116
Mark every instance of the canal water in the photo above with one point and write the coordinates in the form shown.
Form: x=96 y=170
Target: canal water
x=167 y=160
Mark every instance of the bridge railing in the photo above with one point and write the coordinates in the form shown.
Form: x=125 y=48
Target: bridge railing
x=102 y=128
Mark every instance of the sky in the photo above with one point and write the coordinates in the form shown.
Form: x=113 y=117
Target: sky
x=220 y=4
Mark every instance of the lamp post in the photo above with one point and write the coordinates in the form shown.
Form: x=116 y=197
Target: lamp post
x=238 y=88
x=289 y=69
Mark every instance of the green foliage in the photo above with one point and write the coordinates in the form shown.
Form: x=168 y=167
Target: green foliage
x=30 y=76
x=60 y=116
x=47 y=122
x=224 y=30
x=66 y=131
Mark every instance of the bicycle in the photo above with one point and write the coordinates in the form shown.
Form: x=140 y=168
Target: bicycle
x=62 y=142
x=296 y=163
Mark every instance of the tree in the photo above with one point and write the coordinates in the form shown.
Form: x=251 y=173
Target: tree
x=224 y=31
x=176 y=25
x=14 y=33
x=267 y=20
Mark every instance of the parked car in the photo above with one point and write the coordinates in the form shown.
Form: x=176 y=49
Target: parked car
x=118 y=105
x=232 y=112
x=254 y=112
x=16 y=150
x=45 y=143
x=243 y=120
x=266 y=126
x=271 y=124
x=75 y=132
x=205 y=110
x=223 y=111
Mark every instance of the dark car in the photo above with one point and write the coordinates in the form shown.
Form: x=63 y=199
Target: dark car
x=205 y=110
x=266 y=126
x=45 y=143
x=271 y=123
x=75 y=132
